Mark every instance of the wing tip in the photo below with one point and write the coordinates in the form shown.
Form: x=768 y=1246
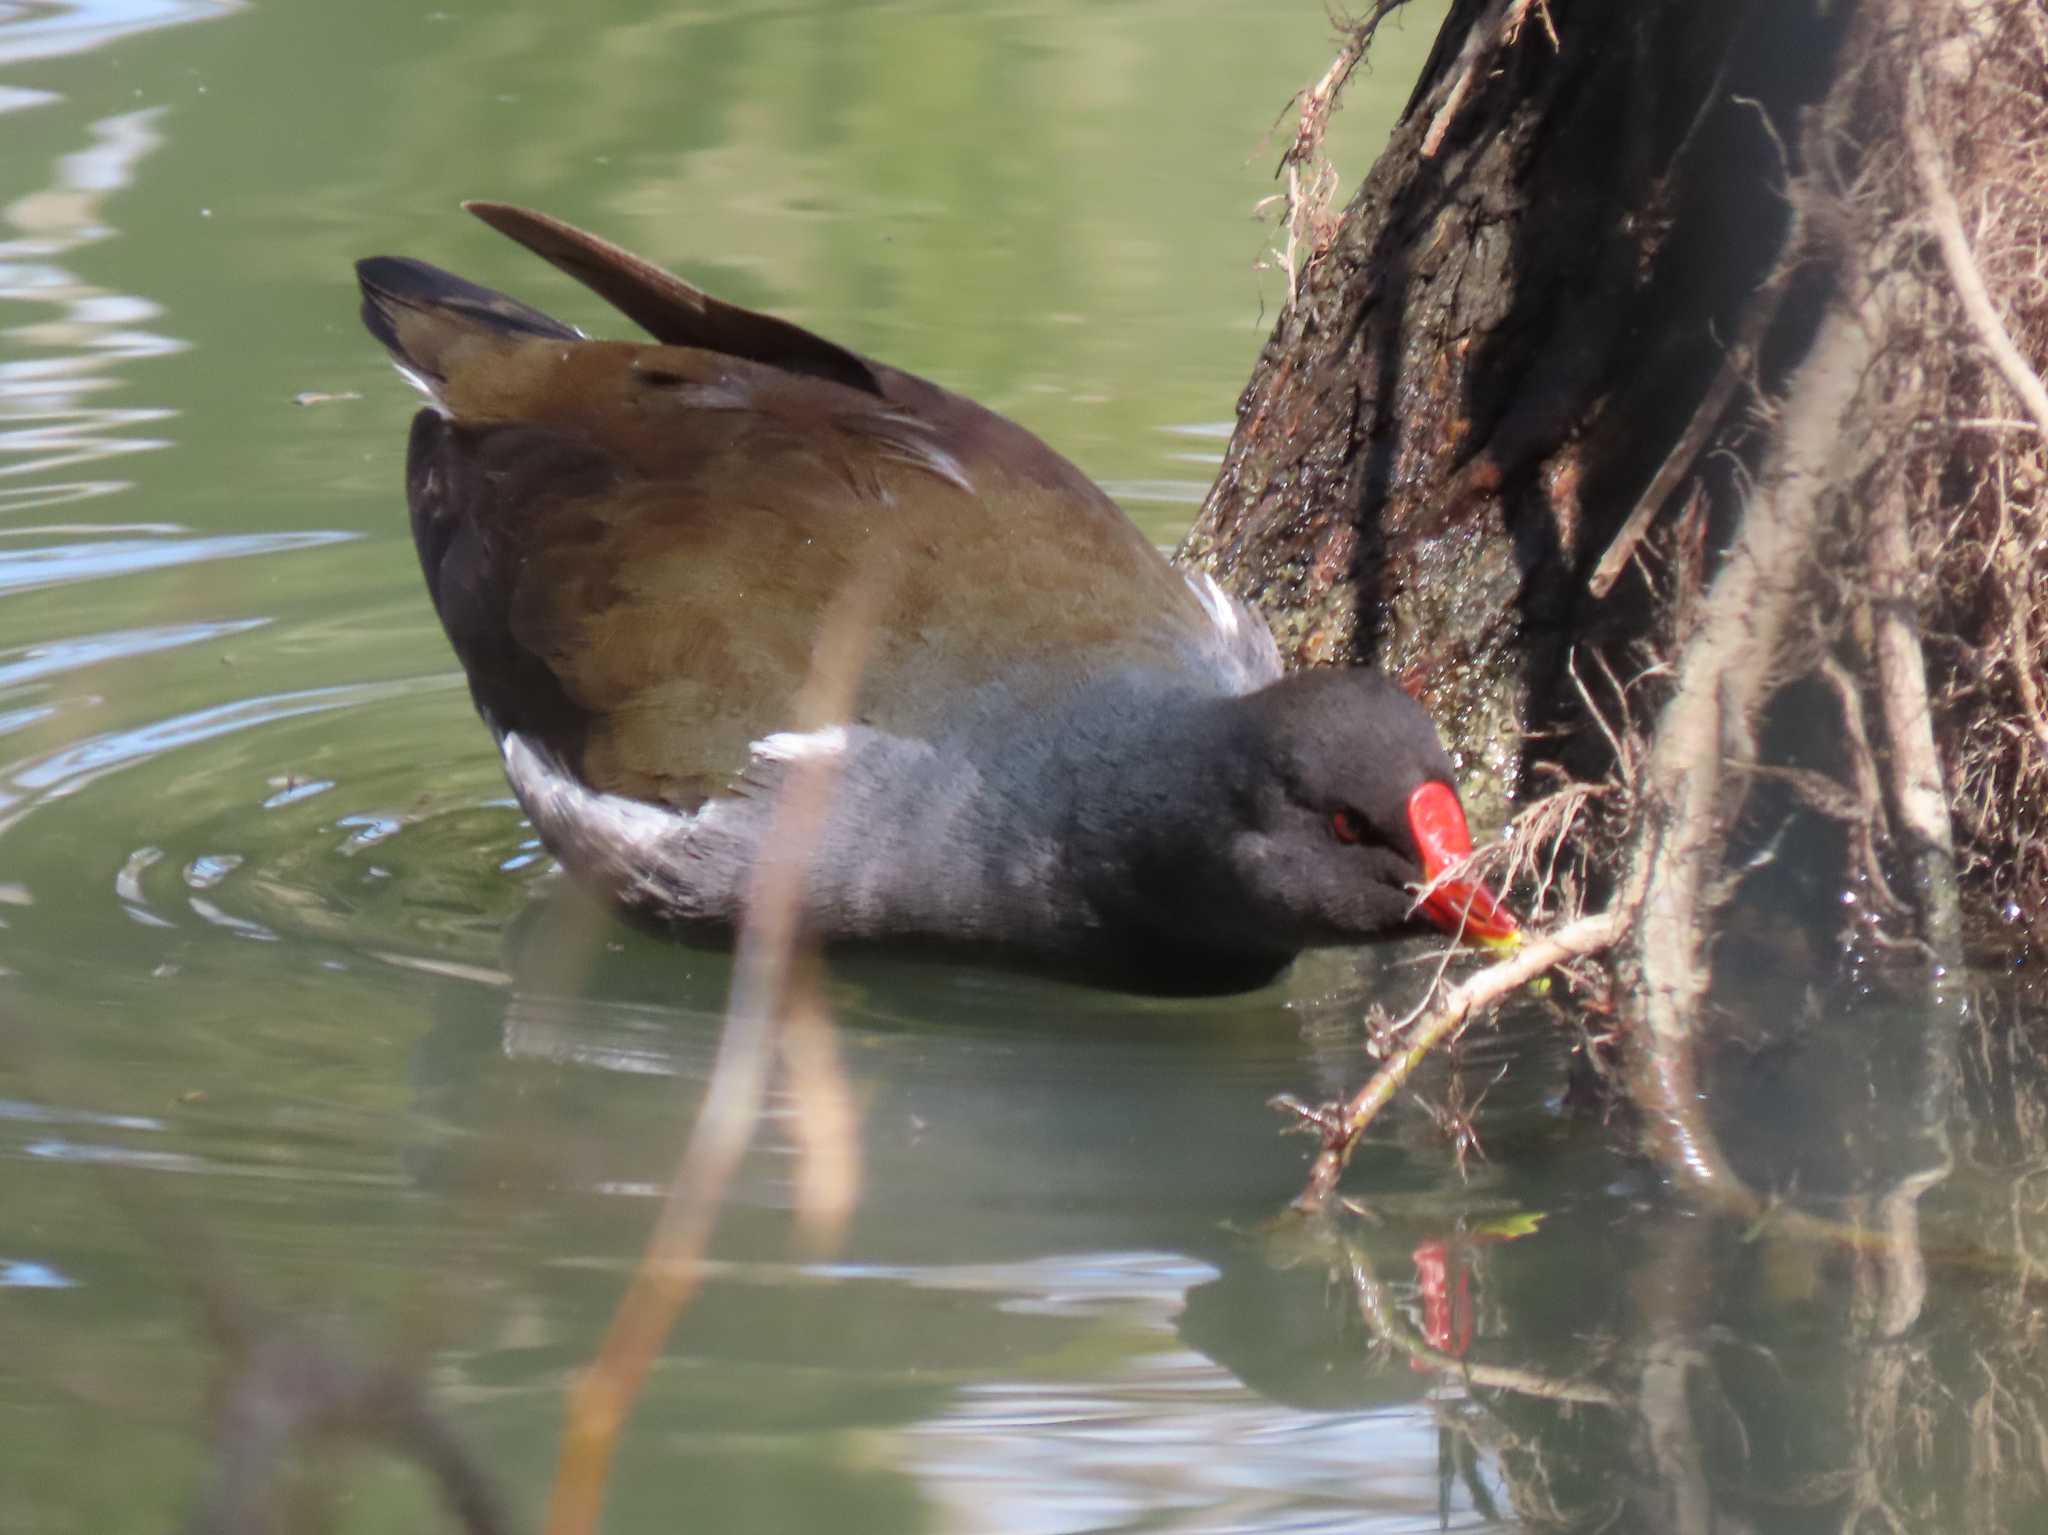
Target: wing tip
x=418 y=311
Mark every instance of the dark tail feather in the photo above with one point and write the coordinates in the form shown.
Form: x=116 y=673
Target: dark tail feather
x=672 y=310
x=418 y=311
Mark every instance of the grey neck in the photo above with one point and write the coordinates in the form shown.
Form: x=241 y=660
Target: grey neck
x=1092 y=824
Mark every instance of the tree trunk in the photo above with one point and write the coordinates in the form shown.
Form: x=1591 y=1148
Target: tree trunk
x=1520 y=313
x=1629 y=274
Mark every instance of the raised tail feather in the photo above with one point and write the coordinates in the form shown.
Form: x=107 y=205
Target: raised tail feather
x=422 y=314
x=674 y=311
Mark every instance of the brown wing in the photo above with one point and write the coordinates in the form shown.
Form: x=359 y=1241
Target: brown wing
x=632 y=546
x=673 y=311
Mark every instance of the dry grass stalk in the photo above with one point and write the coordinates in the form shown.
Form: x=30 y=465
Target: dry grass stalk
x=772 y=985
x=1971 y=291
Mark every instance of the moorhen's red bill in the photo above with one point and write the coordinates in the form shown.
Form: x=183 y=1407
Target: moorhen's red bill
x=1062 y=752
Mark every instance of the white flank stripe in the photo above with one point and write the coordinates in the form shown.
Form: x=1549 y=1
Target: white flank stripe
x=1216 y=602
x=801 y=745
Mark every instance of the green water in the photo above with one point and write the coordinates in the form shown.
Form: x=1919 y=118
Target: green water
x=292 y=1011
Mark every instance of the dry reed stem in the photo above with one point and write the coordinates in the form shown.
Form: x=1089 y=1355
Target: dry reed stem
x=826 y=1125
x=766 y=960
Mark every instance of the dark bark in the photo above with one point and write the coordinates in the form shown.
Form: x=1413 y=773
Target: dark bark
x=1503 y=342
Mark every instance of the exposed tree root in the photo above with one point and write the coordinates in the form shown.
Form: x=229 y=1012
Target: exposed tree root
x=1310 y=179
x=1723 y=678
x=1918 y=792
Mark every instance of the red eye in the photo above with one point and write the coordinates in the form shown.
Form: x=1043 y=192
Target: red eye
x=1347 y=826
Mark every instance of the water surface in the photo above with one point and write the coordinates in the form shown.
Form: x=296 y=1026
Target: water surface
x=296 y=1013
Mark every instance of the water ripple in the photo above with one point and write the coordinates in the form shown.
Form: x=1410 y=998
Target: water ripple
x=47 y=658
x=46 y=422
x=60 y=564
x=24 y=1274
x=49 y=31
x=63 y=772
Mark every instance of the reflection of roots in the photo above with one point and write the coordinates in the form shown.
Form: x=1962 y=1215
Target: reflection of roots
x=1480 y=1420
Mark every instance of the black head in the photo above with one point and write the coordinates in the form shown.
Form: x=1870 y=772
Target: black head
x=1343 y=810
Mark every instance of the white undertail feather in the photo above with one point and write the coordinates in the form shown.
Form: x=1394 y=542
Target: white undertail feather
x=1222 y=608
x=624 y=832
x=1244 y=645
x=424 y=385
x=801 y=745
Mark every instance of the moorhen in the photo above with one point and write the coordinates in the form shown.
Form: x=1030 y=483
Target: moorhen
x=1062 y=750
